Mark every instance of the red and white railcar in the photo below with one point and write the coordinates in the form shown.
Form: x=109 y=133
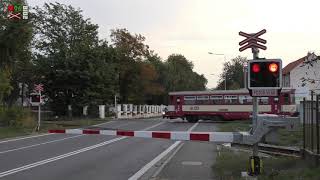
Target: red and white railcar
x=226 y=104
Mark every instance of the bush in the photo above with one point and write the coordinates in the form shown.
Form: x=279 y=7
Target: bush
x=17 y=117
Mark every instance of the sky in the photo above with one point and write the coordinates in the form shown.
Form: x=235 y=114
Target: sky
x=195 y=27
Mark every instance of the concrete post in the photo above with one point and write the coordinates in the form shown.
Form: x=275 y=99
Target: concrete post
x=69 y=111
x=102 y=114
x=130 y=109
x=119 y=111
x=125 y=110
x=85 y=110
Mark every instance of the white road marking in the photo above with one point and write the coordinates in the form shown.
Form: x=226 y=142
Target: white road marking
x=153 y=126
x=166 y=161
x=26 y=137
x=145 y=168
x=34 y=145
x=194 y=126
x=104 y=123
x=39 y=163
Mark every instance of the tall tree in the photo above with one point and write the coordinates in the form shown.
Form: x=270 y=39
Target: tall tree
x=69 y=56
x=233 y=74
x=15 y=56
x=181 y=76
x=130 y=50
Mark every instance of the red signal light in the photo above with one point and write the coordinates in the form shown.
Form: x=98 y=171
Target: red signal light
x=273 y=67
x=256 y=68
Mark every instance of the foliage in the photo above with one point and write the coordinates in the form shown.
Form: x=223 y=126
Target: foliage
x=15 y=55
x=5 y=87
x=16 y=117
x=233 y=72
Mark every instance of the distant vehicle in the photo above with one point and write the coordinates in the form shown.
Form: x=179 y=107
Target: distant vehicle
x=226 y=105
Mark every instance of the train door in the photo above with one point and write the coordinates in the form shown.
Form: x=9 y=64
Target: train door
x=275 y=105
x=178 y=105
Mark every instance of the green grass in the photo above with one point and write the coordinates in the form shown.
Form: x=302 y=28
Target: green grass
x=9 y=132
x=229 y=165
x=231 y=126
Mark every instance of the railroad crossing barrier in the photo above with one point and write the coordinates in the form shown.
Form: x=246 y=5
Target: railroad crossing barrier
x=266 y=124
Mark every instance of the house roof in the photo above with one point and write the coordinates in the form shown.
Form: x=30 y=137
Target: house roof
x=292 y=65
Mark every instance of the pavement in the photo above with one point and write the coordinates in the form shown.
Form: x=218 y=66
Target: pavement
x=101 y=157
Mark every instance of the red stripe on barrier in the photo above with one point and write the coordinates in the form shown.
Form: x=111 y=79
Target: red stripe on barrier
x=89 y=131
x=125 y=133
x=57 y=131
x=163 y=135
x=199 y=137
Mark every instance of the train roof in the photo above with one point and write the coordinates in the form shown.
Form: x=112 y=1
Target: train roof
x=237 y=91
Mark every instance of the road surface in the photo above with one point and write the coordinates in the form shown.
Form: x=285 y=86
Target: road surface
x=100 y=157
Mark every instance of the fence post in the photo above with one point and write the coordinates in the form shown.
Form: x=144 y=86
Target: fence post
x=118 y=110
x=304 y=124
x=85 y=110
x=102 y=111
x=312 y=133
x=317 y=124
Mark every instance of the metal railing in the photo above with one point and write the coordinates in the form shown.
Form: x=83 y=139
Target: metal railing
x=311 y=120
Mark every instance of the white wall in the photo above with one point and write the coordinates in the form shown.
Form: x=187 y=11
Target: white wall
x=306 y=71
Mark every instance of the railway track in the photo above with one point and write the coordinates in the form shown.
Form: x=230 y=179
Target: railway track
x=272 y=149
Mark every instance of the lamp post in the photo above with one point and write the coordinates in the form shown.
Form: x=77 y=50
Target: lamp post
x=225 y=78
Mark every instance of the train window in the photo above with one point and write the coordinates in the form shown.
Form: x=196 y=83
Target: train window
x=245 y=99
x=203 y=100
x=286 y=99
x=202 y=97
x=216 y=99
x=189 y=100
x=231 y=99
x=263 y=100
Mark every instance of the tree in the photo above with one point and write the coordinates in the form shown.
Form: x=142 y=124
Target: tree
x=69 y=57
x=233 y=71
x=181 y=76
x=130 y=50
x=15 y=53
x=311 y=61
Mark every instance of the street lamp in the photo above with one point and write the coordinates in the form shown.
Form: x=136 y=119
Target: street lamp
x=225 y=78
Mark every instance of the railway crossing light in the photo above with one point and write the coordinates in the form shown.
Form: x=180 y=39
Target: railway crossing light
x=265 y=74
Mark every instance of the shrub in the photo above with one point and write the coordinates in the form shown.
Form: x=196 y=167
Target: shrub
x=16 y=116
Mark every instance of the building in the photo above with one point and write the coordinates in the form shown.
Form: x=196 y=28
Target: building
x=303 y=75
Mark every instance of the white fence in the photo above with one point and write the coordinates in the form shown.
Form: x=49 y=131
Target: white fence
x=128 y=111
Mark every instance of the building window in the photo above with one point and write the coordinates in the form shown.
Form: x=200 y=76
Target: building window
x=286 y=99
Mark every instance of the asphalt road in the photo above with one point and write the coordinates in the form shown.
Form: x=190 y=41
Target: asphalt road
x=84 y=157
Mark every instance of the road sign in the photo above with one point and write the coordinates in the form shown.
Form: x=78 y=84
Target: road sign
x=38 y=87
x=264 y=92
x=252 y=40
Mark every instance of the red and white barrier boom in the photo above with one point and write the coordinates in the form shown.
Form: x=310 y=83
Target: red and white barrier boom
x=266 y=124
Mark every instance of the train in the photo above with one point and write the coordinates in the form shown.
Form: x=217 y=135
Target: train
x=226 y=105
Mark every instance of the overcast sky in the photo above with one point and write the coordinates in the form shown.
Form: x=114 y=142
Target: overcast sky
x=195 y=27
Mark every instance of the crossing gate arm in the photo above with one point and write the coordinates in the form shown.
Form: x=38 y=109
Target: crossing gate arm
x=217 y=137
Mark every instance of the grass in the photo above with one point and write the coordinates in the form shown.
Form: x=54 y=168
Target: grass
x=9 y=132
x=229 y=165
x=285 y=138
